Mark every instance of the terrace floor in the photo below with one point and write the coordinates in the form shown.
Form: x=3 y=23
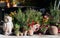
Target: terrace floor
x=34 y=36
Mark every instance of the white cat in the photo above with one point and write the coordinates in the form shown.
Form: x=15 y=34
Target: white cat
x=8 y=25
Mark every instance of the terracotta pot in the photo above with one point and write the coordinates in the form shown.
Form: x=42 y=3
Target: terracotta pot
x=25 y=33
x=58 y=30
x=21 y=34
x=31 y=32
x=40 y=34
x=53 y=30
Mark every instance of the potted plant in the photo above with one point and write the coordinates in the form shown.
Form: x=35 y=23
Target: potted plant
x=55 y=14
x=33 y=17
x=22 y=20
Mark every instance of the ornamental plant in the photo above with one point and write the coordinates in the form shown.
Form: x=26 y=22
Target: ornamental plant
x=36 y=16
x=45 y=24
x=28 y=18
x=33 y=15
x=55 y=13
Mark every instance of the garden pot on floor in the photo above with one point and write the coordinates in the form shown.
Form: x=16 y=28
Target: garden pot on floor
x=53 y=30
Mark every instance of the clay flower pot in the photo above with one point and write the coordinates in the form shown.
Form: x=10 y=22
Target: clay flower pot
x=31 y=32
x=21 y=34
x=58 y=30
x=53 y=30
